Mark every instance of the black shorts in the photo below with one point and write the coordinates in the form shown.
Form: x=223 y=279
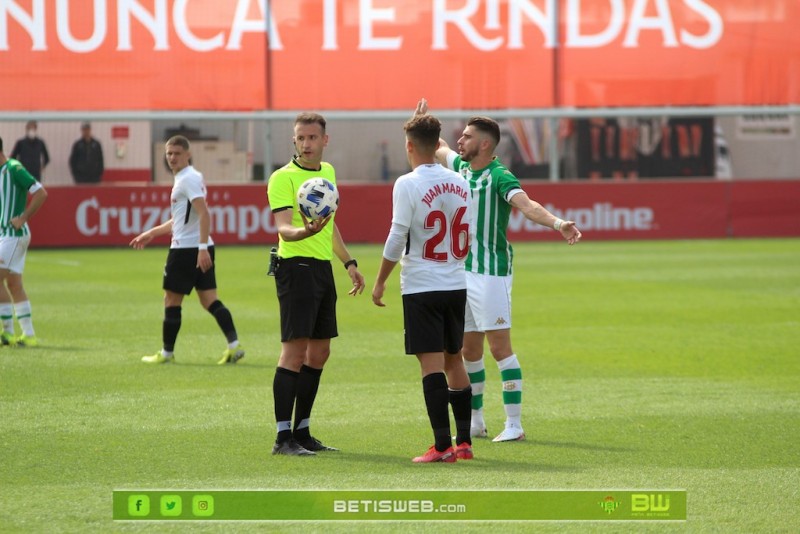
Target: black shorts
x=181 y=273
x=307 y=297
x=434 y=321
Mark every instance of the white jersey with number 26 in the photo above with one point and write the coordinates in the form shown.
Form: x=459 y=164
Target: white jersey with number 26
x=431 y=205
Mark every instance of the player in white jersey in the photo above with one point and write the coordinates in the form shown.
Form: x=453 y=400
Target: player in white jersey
x=430 y=238
x=188 y=186
x=16 y=183
x=190 y=262
x=494 y=192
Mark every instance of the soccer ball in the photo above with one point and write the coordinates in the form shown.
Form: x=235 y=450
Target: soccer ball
x=317 y=198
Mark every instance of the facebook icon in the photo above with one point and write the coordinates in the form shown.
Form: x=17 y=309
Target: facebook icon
x=138 y=505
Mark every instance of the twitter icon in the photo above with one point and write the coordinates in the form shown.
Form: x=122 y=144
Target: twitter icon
x=171 y=505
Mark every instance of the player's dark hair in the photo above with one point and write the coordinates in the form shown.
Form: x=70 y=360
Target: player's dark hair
x=311 y=118
x=424 y=131
x=179 y=140
x=488 y=126
x=1 y=144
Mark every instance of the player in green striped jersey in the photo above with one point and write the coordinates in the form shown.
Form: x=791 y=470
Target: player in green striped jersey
x=15 y=236
x=495 y=191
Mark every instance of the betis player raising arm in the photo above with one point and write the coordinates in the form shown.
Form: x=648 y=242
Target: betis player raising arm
x=495 y=191
x=430 y=237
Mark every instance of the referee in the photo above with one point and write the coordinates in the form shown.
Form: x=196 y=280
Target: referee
x=306 y=288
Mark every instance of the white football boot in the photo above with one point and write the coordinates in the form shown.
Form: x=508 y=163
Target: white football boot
x=512 y=432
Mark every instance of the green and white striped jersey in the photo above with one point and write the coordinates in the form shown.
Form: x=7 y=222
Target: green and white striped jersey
x=492 y=188
x=15 y=182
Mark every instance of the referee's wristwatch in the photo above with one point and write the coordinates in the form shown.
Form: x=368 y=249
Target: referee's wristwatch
x=348 y=263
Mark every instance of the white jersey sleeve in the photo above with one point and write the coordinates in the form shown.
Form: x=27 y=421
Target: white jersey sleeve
x=396 y=242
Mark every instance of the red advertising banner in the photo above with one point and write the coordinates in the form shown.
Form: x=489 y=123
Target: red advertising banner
x=680 y=52
x=386 y=54
x=132 y=55
x=765 y=208
x=111 y=216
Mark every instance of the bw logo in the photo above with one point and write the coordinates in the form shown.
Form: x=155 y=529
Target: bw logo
x=500 y=320
x=642 y=502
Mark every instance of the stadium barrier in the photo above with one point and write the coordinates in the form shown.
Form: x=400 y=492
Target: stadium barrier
x=111 y=215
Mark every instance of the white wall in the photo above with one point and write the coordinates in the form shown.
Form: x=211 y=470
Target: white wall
x=776 y=156
x=355 y=147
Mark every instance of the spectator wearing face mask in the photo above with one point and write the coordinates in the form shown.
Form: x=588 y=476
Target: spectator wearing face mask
x=31 y=151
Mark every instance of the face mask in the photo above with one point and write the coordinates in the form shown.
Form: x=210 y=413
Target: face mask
x=31 y=134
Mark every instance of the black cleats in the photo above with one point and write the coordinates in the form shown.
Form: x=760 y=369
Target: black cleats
x=315 y=445
x=291 y=448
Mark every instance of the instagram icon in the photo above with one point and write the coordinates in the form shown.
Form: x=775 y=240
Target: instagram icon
x=202 y=505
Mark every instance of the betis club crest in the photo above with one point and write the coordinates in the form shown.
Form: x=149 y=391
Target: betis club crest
x=609 y=504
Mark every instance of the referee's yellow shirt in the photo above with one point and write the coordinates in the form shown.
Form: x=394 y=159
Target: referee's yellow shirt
x=282 y=193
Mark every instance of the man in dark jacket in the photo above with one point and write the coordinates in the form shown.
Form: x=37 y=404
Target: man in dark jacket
x=86 y=158
x=31 y=151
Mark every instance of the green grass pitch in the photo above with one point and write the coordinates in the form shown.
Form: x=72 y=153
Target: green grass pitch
x=671 y=364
